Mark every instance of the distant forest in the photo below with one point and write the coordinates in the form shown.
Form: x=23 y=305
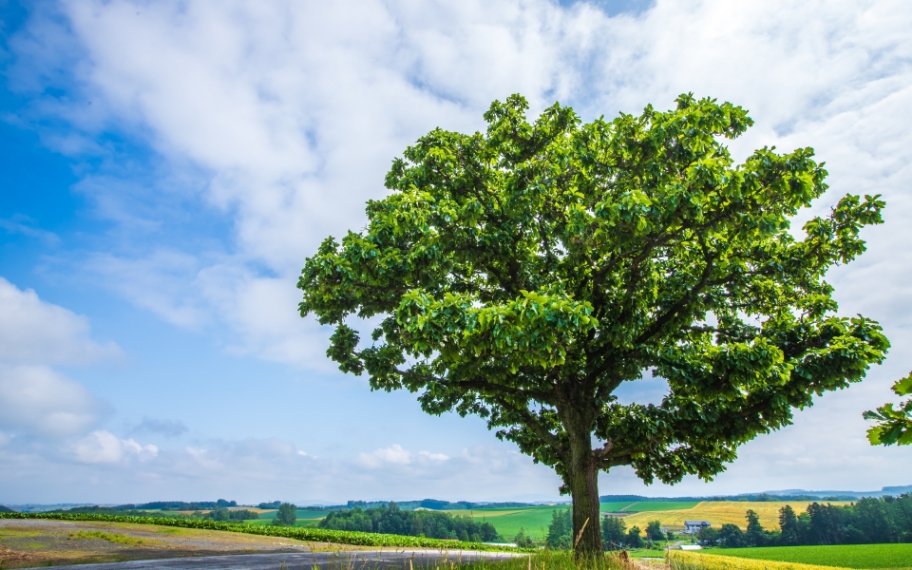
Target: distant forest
x=217 y=510
x=391 y=519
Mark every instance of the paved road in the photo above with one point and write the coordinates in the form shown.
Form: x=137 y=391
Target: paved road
x=349 y=560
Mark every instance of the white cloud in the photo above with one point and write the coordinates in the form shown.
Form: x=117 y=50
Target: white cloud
x=105 y=447
x=35 y=332
x=392 y=455
x=34 y=335
x=38 y=401
x=168 y=428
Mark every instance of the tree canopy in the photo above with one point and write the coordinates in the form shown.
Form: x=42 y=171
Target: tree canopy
x=893 y=425
x=525 y=273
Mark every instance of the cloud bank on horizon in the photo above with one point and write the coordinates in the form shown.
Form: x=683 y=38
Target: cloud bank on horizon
x=209 y=147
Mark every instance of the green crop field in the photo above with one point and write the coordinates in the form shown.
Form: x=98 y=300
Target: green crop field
x=862 y=556
x=614 y=507
x=648 y=506
x=533 y=520
x=301 y=514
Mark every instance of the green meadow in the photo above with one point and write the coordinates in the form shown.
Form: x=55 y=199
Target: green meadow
x=647 y=506
x=535 y=520
x=862 y=556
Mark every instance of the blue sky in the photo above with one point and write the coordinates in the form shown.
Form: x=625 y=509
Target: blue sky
x=168 y=166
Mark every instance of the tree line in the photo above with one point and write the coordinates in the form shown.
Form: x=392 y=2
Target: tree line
x=217 y=513
x=391 y=519
x=868 y=521
x=615 y=534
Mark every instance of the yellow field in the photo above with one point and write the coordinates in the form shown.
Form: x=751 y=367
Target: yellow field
x=698 y=561
x=719 y=513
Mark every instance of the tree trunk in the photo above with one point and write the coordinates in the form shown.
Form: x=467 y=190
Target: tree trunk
x=583 y=483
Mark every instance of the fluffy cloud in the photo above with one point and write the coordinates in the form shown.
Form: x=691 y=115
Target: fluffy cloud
x=169 y=428
x=395 y=455
x=35 y=399
x=105 y=447
x=35 y=332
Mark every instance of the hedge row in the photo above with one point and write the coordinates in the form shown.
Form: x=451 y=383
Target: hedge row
x=299 y=533
x=680 y=560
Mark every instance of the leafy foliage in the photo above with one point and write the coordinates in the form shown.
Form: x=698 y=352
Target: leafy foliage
x=286 y=515
x=654 y=531
x=560 y=531
x=525 y=273
x=894 y=425
x=614 y=531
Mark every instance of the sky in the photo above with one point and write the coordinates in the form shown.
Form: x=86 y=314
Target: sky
x=166 y=167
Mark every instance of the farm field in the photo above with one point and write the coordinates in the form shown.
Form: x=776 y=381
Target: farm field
x=862 y=556
x=535 y=520
x=300 y=513
x=649 y=506
x=719 y=513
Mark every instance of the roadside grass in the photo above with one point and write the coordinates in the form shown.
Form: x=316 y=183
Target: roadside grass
x=719 y=513
x=546 y=560
x=679 y=560
x=108 y=536
x=861 y=556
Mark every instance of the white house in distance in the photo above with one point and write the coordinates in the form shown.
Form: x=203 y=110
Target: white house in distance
x=693 y=527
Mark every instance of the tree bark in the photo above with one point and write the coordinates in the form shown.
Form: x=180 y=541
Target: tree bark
x=583 y=484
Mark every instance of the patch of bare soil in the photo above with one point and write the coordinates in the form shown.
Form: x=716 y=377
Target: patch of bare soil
x=26 y=543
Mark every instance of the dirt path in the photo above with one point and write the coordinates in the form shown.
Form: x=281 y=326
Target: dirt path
x=25 y=543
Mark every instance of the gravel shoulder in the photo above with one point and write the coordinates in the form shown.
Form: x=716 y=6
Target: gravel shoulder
x=27 y=543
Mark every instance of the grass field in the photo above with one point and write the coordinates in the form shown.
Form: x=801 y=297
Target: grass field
x=718 y=513
x=300 y=513
x=866 y=556
x=649 y=506
x=535 y=520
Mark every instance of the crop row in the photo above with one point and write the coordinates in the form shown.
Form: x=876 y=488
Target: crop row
x=679 y=560
x=299 y=533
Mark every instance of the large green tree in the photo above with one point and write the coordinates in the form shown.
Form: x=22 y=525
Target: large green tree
x=525 y=273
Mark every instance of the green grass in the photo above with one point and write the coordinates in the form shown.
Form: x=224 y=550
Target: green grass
x=300 y=513
x=866 y=556
x=108 y=536
x=614 y=507
x=268 y=522
x=647 y=506
x=535 y=520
